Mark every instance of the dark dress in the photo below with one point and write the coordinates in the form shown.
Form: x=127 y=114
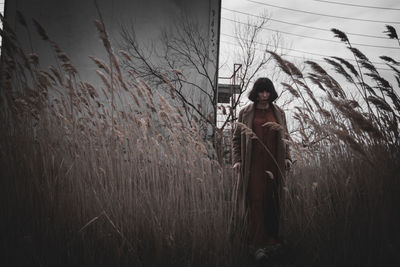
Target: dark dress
x=263 y=190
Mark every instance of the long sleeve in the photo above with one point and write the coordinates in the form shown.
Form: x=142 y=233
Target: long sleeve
x=287 y=137
x=236 y=142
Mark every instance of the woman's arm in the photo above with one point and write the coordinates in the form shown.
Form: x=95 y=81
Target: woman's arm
x=236 y=142
x=286 y=137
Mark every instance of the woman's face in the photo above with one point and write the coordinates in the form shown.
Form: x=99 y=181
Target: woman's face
x=263 y=96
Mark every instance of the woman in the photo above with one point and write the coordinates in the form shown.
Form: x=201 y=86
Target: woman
x=261 y=163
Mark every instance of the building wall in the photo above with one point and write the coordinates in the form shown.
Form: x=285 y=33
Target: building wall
x=70 y=25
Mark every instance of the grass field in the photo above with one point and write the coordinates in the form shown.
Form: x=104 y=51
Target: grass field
x=115 y=177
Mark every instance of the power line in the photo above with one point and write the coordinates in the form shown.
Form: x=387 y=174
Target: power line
x=298 y=35
x=300 y=51
x=313 y=59
x=348 y=4
x=323 y=39
x=325 y=15
x=283 y=48
x=301 y=25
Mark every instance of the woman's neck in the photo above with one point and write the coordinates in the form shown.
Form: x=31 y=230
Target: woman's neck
x=262 y=105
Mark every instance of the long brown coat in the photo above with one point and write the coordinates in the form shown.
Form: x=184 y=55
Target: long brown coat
x=242 y=145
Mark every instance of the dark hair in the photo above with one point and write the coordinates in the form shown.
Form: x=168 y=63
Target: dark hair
x=263 y=84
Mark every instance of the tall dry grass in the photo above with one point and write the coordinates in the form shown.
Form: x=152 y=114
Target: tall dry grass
x=111 y=175
x=105 y=175
x=342 y=196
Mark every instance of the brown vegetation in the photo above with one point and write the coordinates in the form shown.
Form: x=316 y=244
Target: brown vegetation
x=112 y=176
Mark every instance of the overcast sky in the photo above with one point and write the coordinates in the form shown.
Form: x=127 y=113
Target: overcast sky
x=285 y=14
x=295 y=25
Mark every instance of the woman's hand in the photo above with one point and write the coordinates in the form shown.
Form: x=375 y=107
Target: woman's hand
x=236 y=167
x=288 y=164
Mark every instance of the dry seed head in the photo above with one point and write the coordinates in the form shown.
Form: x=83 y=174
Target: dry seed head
x=164 y=117
x=91 y=90
x=293 y=69
x=83 y=89
x=151 y=107
x=115 y=62
x=246 y=130
x=122 y=82
x=165 y=104
x=132 y=74
x=281 y=62
x=171 y=87
x=359 y=121
x=34 y=59
x=63 y=57
x=101 y=64
x=358 y=53
x=134 y=98
x=333 y=85
x=105 y=94
x=391 y=32
x=368 y=87
x=43 y=79
x=40 y=30
x=341 y=35
x=182 y=124
x=315 y=79
x=139 y=91
x=380 y=103
x=339 y=69
x=348 y=139
x=104 y=79
x=348 y=65
x=316 y=67
x=291 y=89
x=57 y=74
x=180 y=114
x=390 y=60
x=367 y=65
x=273 y=126
x=380 y=80
x=125 y=55
x=270 y=175
x=69 y=68
x=325 y=113
x=310 y=94
x=178 y=72
x=103 y=35
x=49 y=76
x=150 y=92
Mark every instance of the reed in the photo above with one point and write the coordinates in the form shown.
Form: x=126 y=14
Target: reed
x=92 y=182
x=118 y=177
x=340 y=207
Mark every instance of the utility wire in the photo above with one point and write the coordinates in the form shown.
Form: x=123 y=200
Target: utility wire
x=283 y=48
x=348 y=4
x=300 y=25
x=300 y=51
x=324 y=15
x=313 y=59
x=323 y=39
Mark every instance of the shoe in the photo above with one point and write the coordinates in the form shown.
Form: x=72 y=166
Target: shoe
x=260 y=256
x=273 y=251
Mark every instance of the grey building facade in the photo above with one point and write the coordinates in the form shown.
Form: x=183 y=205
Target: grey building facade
x=71 y=25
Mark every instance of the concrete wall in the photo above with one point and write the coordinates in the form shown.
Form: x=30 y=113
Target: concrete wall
x=70 y=24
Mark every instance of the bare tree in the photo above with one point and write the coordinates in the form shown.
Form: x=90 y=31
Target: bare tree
x=252 y=55
x=184 y=60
